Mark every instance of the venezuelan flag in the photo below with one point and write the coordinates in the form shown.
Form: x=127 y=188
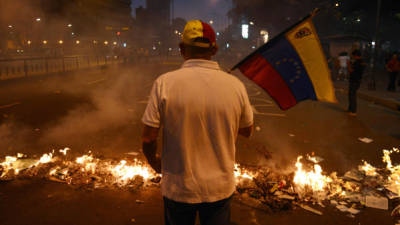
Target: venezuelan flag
x=291 y=67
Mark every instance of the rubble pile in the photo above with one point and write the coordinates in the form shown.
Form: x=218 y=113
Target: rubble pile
x=265 y=189
x=309 y=188
x=86 y=171
x=306 y=186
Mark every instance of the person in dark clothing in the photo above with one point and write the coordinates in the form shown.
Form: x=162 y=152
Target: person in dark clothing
x=393 y=67
x=356 y=68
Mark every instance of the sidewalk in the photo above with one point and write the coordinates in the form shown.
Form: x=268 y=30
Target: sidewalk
x=380 y=96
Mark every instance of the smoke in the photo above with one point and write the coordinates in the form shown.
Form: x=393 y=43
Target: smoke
x=109 y=119
x=100 y=112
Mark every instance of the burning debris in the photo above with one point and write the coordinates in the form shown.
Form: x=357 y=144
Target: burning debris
x=366 y=186
x=85 y=171
x=257 y=187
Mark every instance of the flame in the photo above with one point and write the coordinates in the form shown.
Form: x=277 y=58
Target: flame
x=88 y=162
x=393 y=180
x=64 y=151
x=87 y=169
x=7 y=165
x=46 y=158
x=310 y=179
x=368 y=169
x=242 y=173
x=124 y=172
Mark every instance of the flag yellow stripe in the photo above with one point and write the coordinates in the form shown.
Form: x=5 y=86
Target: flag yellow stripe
x=305 y=40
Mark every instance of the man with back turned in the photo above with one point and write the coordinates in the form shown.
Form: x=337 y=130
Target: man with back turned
x=200 y=110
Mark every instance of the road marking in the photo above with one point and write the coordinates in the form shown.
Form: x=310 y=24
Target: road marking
x=9 y=105
x=271 y=114
x=96 y=81
x=255 y=94
x=263 y=105
x=256 y=112
x=262 y=100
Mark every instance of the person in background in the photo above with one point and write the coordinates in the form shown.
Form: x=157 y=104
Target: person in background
x=344 y=60
x=201 y=110
x=393 y=67
x=356 y=70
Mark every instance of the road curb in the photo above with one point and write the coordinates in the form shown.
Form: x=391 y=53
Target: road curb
x=395 y=105
x=391 y=104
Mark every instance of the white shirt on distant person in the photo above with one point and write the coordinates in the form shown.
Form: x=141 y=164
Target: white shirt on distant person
x=343 y=60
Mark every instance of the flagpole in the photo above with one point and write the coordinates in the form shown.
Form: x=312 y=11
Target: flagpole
x=312 y=14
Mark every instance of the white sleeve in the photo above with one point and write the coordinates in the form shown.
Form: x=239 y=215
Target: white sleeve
x=246 y=118
x=151 y=116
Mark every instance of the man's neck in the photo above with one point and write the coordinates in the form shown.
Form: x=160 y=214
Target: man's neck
x=198 y=57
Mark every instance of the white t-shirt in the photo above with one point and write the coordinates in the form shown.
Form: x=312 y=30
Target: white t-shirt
x=343 y=60
x=200 y=110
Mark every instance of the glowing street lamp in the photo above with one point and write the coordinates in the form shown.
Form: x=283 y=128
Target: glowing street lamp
x=245 y=31
x=77 y=42
x=45 y=42
x=106 y=42
x=69 y=25
x=251 y=23
x=94 y=42
x=38 y=19
x=211 y=22
x=114 y=43
x=60 y=42
x=337 y=4
x=265 y=35
x=29 y=42
x=10 y=26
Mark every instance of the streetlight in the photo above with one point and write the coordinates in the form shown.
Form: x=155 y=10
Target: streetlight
x=211 y=22
x=60 y=42
x=337 y=4
x=38 y=19
x=69 y=25
x=106 y=42
x=114 y=43
x=77 y=42
x=251 y=23
x=10 y=26
x=45 y=42
x=29 y=42
x=94 y=42
x=265 y=35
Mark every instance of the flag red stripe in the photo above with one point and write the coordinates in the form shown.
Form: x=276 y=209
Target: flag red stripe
x=258 y=69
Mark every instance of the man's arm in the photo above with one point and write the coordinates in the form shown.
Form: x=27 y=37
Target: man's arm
x=149 y=146
x=246 y=131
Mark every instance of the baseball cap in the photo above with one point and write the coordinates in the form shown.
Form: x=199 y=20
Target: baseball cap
x=200 y=34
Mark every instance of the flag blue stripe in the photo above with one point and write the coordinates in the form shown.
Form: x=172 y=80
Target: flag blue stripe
x=284 y=58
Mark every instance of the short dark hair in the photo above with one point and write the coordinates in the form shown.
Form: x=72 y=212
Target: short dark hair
x=197 y=51
x=356 y=52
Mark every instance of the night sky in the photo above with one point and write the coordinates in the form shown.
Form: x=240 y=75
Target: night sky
x=199 y=9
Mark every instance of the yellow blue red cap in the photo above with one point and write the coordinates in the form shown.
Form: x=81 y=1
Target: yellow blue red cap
x=200 y=34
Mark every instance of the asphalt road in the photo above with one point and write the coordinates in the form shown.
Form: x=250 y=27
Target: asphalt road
x=100 y=110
